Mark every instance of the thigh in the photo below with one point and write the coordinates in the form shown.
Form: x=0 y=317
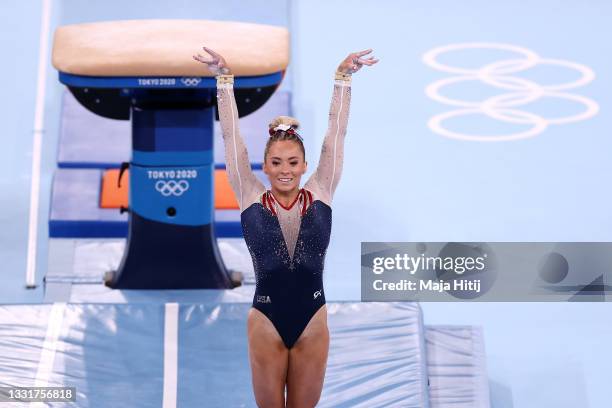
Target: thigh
x=269 y=360
x=307 y=363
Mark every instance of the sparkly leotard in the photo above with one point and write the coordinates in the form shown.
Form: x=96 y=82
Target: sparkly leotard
x=287 y=244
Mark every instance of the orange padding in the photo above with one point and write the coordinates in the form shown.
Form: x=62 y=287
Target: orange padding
x=224 y=195
x=114 y=196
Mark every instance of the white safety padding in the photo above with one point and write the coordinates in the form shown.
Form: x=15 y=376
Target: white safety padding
x=165 y=47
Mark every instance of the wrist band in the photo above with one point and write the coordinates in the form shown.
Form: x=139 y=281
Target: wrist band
x=341 y=76
x=225 y=79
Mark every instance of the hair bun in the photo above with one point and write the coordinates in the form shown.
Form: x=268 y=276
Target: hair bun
x=284 y=120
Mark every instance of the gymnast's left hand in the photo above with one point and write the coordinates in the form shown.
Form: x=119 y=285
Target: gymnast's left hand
x=355 y=61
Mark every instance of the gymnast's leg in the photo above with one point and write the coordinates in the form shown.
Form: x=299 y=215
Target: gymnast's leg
x=307 y=363
x=269 y=360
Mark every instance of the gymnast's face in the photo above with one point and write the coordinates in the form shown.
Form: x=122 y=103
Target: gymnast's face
x=284 y=165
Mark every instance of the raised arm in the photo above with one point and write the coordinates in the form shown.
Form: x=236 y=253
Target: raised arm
x=245 y=184
x=324 y=180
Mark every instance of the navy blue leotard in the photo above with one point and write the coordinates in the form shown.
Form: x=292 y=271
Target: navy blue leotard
x=289 y=291
x=288 y=248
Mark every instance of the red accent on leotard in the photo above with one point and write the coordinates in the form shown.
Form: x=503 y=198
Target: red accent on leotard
x=304 y=198
x=290 y=205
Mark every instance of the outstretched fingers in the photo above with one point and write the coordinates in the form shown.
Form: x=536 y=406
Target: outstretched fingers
x=368 y=61
x=358 y=62
x=202 y=59
x=215 y=54
x=214 y=62
x=362 y=53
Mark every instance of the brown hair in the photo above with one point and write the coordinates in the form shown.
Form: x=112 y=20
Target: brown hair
x=279 y=135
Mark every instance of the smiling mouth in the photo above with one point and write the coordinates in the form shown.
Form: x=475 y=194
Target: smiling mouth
x=285 y=180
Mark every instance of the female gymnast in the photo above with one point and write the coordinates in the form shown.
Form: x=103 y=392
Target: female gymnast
x=287 y=230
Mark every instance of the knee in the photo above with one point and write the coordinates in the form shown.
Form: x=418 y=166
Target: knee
x=267 y=396
x=303 y=399
x=304 y=403
x=270 y=401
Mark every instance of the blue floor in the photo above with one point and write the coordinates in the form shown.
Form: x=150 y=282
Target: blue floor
x=420 y=186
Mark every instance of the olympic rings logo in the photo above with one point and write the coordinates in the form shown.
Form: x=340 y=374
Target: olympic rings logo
x=521 y=91
x=191 y=81
x=172 y=187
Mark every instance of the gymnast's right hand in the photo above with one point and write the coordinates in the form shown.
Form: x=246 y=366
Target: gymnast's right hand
x=216 y=64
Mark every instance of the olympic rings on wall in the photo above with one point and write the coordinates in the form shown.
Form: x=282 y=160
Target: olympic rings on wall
x=501 y=107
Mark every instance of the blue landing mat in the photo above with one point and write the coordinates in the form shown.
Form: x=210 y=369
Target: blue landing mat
x=456 y=365
x=114 y=354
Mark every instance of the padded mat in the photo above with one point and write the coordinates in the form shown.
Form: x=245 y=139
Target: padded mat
x=114 y=354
